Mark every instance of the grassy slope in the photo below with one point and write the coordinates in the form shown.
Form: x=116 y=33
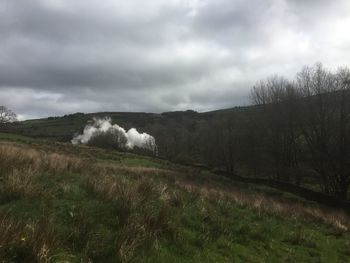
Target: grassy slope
x=62 y=202
x=63 y=128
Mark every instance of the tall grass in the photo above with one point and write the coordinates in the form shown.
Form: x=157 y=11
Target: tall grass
x=107 y=212
x=12 y=156
x=26 y=241
x=142 y=215
x=263 y=203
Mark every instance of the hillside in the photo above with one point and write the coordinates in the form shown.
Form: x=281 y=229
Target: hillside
x=302 y=141
x=65 y=203
x=63 y=128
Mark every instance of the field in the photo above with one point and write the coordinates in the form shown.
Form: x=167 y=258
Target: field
x=65 y=203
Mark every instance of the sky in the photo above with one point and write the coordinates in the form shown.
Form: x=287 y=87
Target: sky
x=62 y=56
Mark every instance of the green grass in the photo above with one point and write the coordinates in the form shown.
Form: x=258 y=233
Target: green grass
x=15 y=137
x=64 y=203
x=140 y=162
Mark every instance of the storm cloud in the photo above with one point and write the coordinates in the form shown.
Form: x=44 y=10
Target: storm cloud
x=62 y=56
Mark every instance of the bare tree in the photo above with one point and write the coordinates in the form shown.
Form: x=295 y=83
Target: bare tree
x=7 y=115
x=110 y=139
x=276 y=118
x=342 y=157
x=270 y=91
x=325 y=126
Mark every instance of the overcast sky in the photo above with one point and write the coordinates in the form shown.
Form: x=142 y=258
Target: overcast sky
x=64 y=56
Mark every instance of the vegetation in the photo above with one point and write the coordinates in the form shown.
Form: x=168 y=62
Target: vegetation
x=65 y=203
x=295 y=131
x=110 y=139
x=307 y=125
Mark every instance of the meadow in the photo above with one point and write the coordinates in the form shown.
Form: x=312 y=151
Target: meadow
x=65 y=203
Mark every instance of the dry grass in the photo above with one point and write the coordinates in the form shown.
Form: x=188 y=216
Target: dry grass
x=141 y=222
x=132 y=171
x=263 y=203
x=110 y=187
x=18 y=156
x=20 y=242
x=23 y=183
x=23 y=166
x=131 y=194
x=134 y=194
x=142 y=197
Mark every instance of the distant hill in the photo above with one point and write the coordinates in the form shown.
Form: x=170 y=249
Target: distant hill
x=65 y=127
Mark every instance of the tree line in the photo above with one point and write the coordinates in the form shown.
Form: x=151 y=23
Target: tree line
x=296 y=131
x=305 y=126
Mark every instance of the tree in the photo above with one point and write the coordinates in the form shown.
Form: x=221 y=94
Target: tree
x=306 y=124
x=7 y=115
x=276 y=99
x=325 y=126
x=342 y=156
x=110 y=139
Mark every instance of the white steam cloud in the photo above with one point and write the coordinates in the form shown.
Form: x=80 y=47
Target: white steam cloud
x=132 y=136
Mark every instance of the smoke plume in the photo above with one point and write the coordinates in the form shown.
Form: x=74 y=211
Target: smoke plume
x=132 y=138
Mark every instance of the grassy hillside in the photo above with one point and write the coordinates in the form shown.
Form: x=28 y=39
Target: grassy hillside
x=63 y=128
x=64 y=203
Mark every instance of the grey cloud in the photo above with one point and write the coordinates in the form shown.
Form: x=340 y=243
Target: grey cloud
x=61 y=56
